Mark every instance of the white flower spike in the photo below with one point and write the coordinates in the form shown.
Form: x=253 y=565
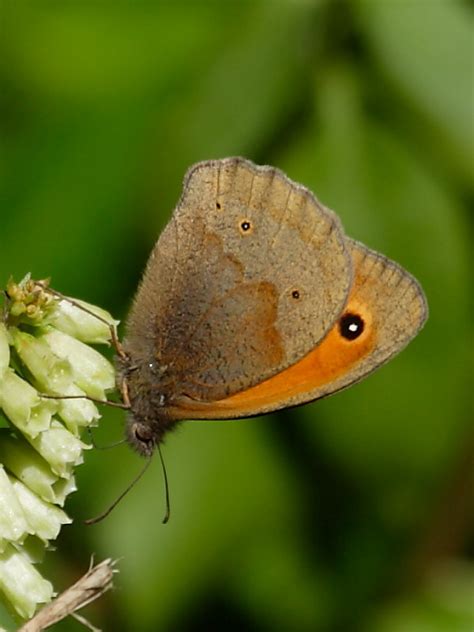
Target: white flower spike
x=44 y=350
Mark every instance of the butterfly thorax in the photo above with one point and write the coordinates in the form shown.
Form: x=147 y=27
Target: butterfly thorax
x=145 y=384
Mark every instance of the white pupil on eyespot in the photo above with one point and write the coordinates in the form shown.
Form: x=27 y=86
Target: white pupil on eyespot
x=353 y=327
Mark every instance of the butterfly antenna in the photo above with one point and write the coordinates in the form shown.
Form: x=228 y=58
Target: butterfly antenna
x=167 y=489
x=104 y=514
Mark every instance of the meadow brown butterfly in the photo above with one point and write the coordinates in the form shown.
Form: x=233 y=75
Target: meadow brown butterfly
x=254 y=300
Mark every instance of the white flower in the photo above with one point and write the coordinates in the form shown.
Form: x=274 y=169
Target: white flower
x=52 y=373
x=77 y=413
x=39 y=452
x=13 y=524
x=60 y=448
x=90 y=370
x=91 y=326
x=21 y=583
x=44 y=519
x=30 y=468
x=22 y=404
x=4 y=349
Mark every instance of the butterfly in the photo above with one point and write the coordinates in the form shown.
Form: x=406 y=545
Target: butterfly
x=254 y=300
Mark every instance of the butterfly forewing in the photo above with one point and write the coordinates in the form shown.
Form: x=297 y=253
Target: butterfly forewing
x=259 y=272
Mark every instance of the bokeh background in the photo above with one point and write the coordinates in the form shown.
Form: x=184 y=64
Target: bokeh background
x=350 y=513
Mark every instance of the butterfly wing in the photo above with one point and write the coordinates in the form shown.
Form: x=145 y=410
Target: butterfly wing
x=385 y=310
x=246 y=279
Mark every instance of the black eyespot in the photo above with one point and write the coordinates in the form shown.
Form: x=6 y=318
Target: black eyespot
x=351 y=326
x=295 y=294
x=218 y=205
x=245 y=226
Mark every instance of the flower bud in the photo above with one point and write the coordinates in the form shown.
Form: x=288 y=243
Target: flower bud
x=21 y=583
x=22 y=405
x=29 y=467
x=90 y=324
x=90 y=370
x=60 y=448
x=44 y=519
x=4 y=349
x=13 y=524
x=52 y=373
x=77 y=413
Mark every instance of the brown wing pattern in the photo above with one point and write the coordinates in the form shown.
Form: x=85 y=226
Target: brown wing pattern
x=392 y=307
x=246 y=279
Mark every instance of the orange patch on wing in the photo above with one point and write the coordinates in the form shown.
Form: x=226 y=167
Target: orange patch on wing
x=333 y=357
x=330 y=359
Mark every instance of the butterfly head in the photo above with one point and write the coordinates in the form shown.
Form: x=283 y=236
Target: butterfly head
x=142 y=435
x=142 y=389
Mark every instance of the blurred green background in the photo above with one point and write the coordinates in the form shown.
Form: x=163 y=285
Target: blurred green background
x=351 y=513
